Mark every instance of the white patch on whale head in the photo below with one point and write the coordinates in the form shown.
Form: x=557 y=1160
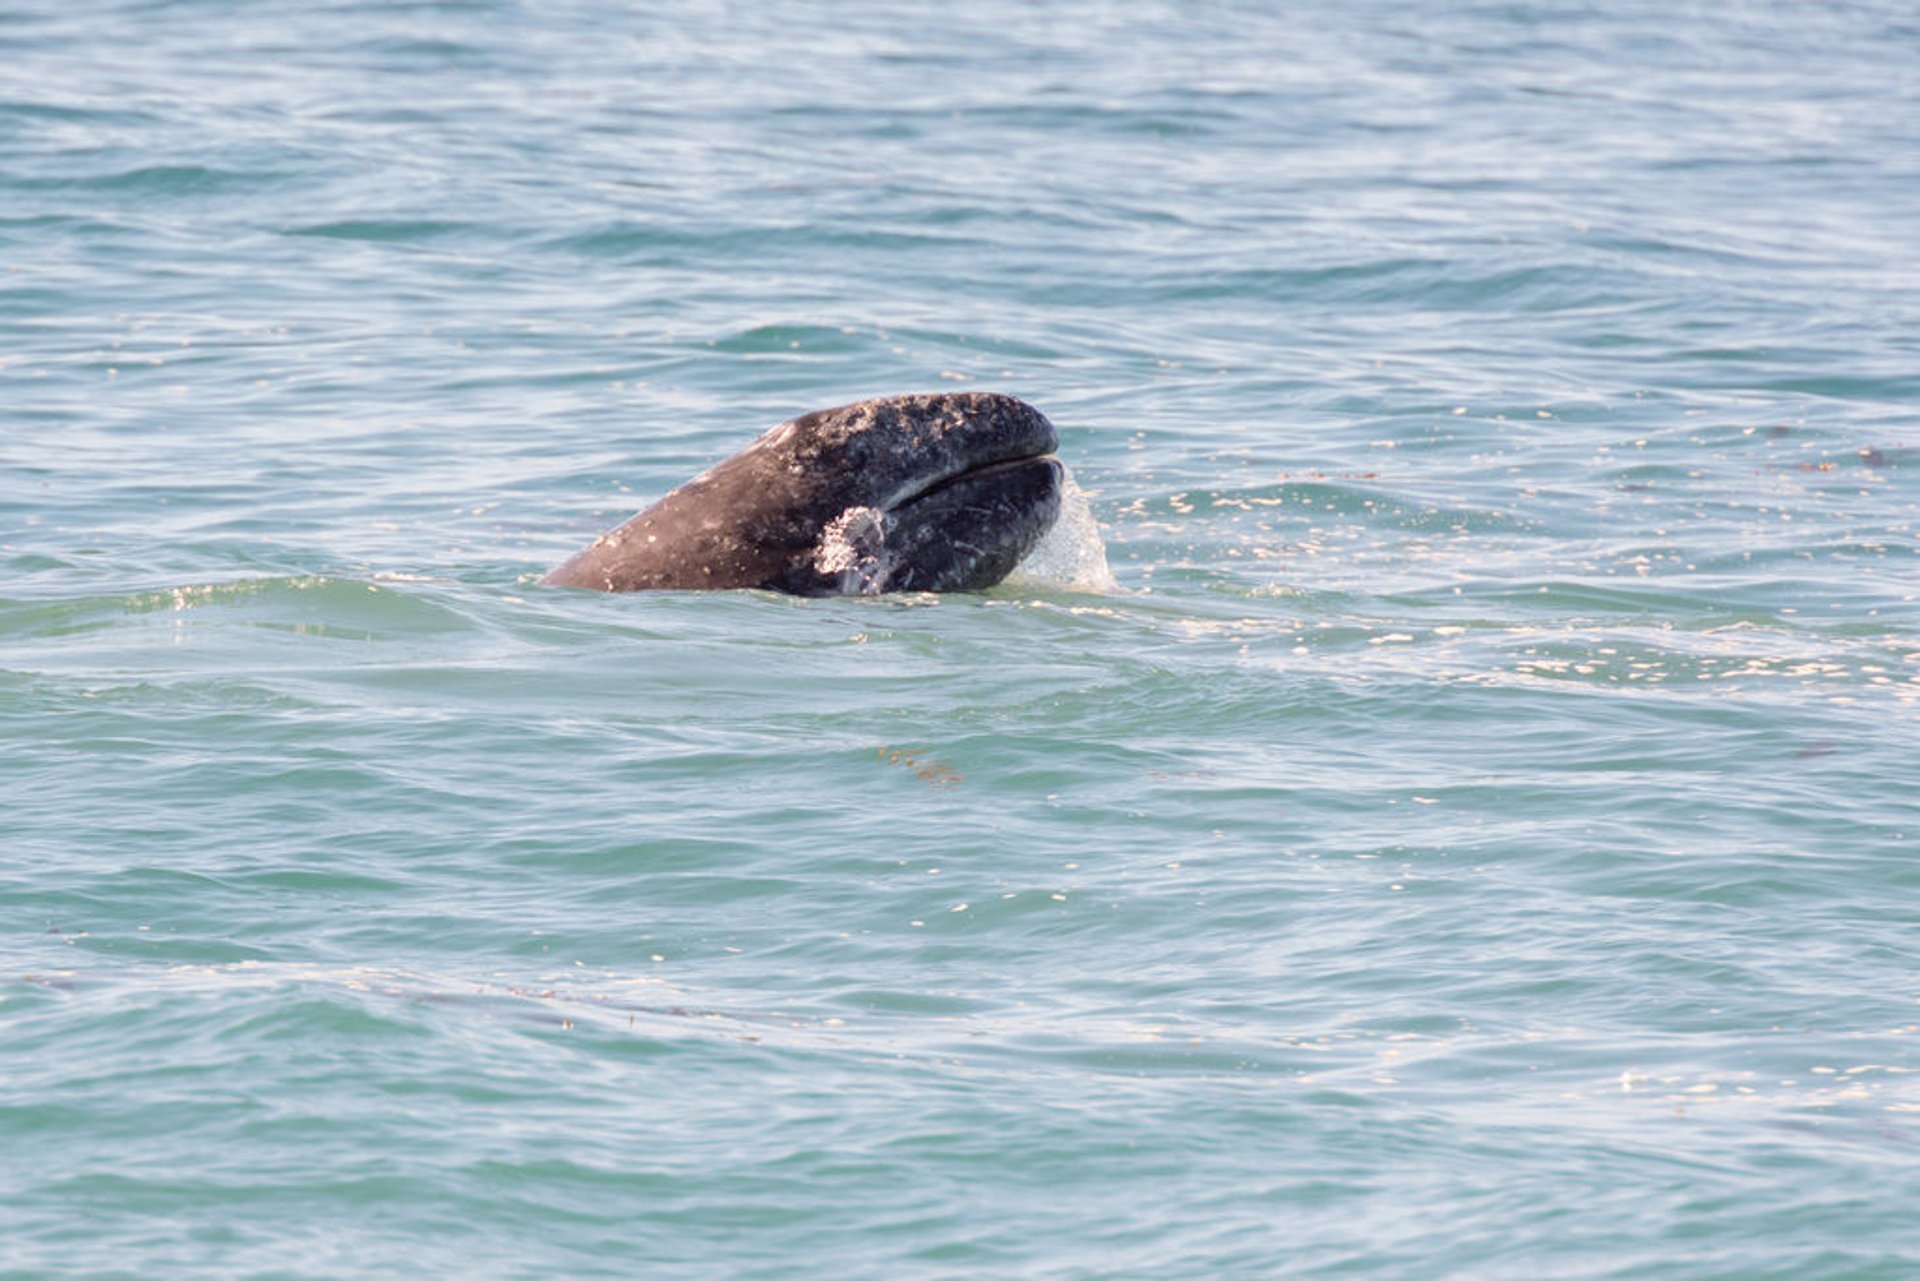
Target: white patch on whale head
x=852 y=547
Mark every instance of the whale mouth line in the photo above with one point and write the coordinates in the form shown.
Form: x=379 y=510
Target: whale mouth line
x=951 y=479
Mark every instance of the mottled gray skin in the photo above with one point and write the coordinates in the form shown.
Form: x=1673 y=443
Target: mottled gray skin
x=934 y=493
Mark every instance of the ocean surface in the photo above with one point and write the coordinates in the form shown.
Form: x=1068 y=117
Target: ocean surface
x=1473 y=831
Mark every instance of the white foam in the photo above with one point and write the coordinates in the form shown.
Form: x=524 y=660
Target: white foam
x=1071 y=556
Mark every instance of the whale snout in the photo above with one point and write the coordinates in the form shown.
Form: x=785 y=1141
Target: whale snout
x=968 y=532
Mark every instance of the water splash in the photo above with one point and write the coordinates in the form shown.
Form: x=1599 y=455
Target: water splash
x=1072 y=555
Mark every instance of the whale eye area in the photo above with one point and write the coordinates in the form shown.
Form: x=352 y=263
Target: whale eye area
x=851 y=547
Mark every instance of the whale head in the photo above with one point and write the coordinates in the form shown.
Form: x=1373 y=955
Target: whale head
x=937 y=492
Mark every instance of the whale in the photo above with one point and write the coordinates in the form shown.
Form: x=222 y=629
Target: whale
x=934 y=492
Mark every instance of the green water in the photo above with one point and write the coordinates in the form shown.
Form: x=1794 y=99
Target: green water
x=1474 y=835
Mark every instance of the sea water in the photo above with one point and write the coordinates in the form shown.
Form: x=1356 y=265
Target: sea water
x=1472 y=831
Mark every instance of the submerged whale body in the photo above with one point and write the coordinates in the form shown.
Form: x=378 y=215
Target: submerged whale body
x=929 y=493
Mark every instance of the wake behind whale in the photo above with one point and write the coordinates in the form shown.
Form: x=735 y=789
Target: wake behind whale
x=932 y=493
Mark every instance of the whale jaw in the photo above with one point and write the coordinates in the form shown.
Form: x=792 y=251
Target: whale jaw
x=963 y=535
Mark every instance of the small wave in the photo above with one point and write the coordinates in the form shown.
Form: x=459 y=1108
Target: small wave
x=384 y=230
x=309 y=603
